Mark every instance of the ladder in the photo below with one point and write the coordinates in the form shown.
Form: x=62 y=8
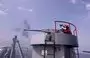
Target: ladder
x=77 y=52
x=52 y=44
x=13 y=50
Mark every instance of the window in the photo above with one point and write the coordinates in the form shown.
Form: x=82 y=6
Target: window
x=42 y=52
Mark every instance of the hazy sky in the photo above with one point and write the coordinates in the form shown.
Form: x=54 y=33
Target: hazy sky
x=41 y=13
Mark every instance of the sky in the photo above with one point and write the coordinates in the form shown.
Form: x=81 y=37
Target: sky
x=41 y=14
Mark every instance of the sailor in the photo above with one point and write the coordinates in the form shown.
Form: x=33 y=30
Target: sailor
x=65 y=29
x=48 y=36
